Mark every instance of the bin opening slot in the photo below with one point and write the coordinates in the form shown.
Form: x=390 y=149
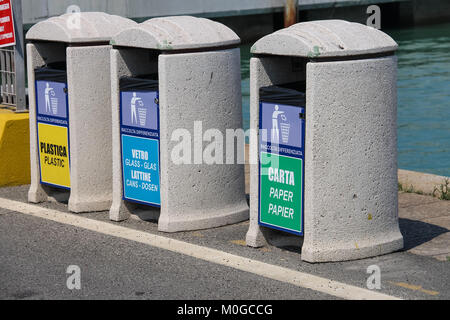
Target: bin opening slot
x=55 y=71
x=289 y=93
x=148 y=82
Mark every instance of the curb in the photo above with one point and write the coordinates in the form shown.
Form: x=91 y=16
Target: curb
x=425 y=183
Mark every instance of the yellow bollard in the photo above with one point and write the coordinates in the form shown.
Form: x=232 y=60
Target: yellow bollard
x=14 y=148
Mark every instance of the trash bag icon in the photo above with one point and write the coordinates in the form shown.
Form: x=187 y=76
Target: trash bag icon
x=142 y=113
x=285 y=129
x=54 y=103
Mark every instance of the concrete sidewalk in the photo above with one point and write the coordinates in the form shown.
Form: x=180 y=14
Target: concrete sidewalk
x=425 y=225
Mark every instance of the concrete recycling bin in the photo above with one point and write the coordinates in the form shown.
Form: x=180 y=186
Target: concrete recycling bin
x=348 y=72
x=175 y=79
x=70 y=109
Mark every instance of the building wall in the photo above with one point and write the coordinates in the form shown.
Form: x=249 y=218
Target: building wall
x=36 y=10
x=250 y=19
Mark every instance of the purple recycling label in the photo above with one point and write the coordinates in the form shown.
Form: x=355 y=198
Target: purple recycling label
x=139 y=109
x=283 y=124
x=51 y=98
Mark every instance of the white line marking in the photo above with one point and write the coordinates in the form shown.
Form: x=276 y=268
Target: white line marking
x=297 y=278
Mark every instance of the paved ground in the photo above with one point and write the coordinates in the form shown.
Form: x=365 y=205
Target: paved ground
x=35 y=252
x=425 y=224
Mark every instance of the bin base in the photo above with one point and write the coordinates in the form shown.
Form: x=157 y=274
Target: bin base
x=200 y=220
x=262 y=236
x=351 y=251
x=121 y=210
x=39 y=193
x=77 y=206
x=255 y=237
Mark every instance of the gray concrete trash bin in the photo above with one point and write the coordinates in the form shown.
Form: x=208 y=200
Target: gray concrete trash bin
x=348 y=72
x=170 y=77
x=70 y=109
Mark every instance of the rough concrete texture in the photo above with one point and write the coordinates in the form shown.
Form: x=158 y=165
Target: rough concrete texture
x=89 y=87
x=193 y=87
x=37 y=56
x=325 y=38
x=14 y=148
x=124 y=63
x=351 y=160
x=426 y=183
x=351 y=157
x=200 y=87
x=351 y=138
x=176 y=33
x=265 y=72
x=80 y=27
x=90 y=128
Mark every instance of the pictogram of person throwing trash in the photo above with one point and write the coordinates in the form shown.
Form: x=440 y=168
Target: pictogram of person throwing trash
x=134 y=101
x=285 y=126
x=48 y=91
x=275 y=135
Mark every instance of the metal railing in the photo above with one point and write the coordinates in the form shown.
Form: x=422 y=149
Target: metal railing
x=7 y=76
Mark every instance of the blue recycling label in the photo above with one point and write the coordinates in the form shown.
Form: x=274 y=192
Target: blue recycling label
x=140 y=159
x=140 y=147
x=283 y=129
x=281 y=167
x=51 y=103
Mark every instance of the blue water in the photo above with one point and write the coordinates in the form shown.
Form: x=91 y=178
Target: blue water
x=423 y=97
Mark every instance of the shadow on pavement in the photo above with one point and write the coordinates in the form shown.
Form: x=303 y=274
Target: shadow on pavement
x=416 y=232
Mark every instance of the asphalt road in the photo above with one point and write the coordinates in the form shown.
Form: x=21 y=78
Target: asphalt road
x=35 y=253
